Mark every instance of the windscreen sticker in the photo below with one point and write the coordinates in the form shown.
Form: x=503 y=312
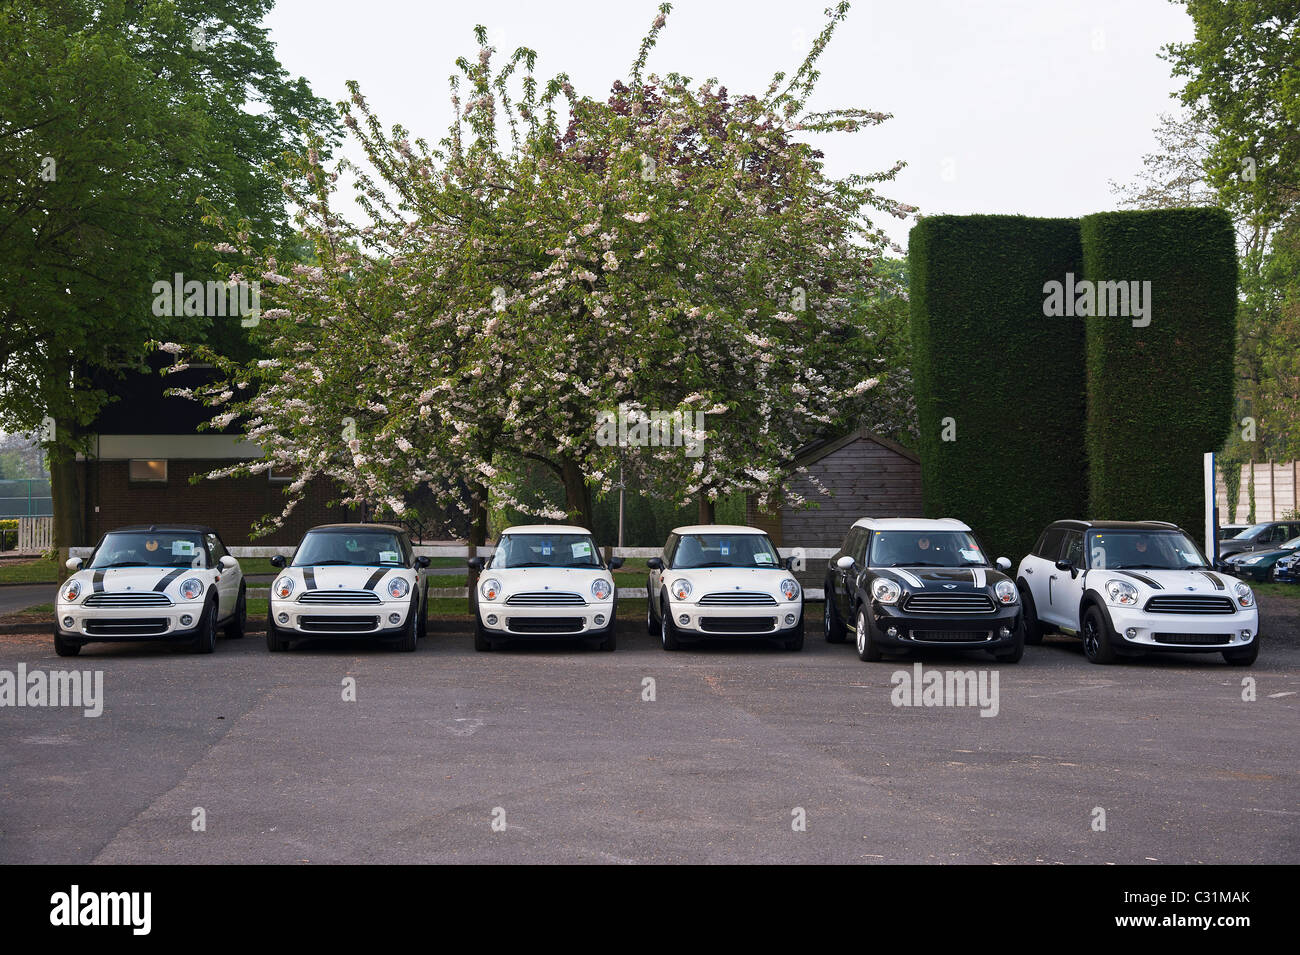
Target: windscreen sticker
x=724 y=547
x=182 y=548
x=761 y=558
x=546 y=548
x=388 y=557
x=970 y=553
x=352 y=545
x=582 y=549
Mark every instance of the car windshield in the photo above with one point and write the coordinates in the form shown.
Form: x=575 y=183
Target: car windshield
x=1292 y=544
x=724 y=550
x=925 y=549
x=1255 y=530
x=545 y=550
x=376 y=548
x=144 y=549
x=1143 y=550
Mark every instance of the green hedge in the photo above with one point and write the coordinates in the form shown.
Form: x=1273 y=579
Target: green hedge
x=1160 y=396
x=1013 y=380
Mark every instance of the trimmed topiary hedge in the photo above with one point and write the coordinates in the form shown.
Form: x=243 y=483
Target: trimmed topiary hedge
x=1160 y=396
x=1012 y=380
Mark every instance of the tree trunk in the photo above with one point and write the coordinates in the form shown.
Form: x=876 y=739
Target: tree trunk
x=577 y=496
x=66 y=492
x=708 y=509
x=477 y=537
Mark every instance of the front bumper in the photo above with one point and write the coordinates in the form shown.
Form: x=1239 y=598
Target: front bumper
x=567 y=620
x=96 y=624
x=777 y=620
x=896 y=628
x=387 y=618
x=1287 y=575
x=1136 y=629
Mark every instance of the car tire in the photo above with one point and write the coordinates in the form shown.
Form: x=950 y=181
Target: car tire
x=1096 y=637
x=1029 y=616
x=651 y=627
x=410 y=635
x=868 y=650
x=1018 y=648
x=610 y=643
x=793 y=644
x=481 y=641
x=205 y=641
x=1244 y=657
x=668 y=631
x=424 y=618
x=275 y=642
x=65 y=648
x=235 y=629
x=833 y=628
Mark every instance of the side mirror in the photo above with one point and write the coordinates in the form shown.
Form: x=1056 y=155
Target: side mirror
x=73 y=564
x=475 y=563
x=1003 y=563
x=615 y=563
x=278 y=561
x=1064 y=565
x=845 y=563
x=655 y=563
x=421 y=562
x=228 y=563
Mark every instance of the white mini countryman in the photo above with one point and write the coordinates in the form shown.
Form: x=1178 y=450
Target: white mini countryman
x=721 y=580
x=1127 y=588
x=162 y=582
x=545 y=580
x=350 y=581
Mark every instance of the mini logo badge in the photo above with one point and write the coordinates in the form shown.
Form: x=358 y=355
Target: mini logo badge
x=949 y=586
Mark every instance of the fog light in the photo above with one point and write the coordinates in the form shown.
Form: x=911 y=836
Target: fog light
x=491 y=620
x=1245 y=634
x=186 y=620
x=394 y=618
x=283 y=618
x=599 y=619
x=1131 y=633
x=68 y=622
x=789 y=620
x=684 y=619
x=1004 y=632
x=892 y=633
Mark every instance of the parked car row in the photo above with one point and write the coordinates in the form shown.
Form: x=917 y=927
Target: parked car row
x=1122 y=588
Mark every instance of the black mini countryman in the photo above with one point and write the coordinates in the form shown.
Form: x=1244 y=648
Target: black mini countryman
x=902 y=583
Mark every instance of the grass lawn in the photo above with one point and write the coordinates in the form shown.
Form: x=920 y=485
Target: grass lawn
x=1272 y=589
x=29 y=572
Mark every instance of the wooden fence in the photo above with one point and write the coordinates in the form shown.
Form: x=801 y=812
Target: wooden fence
x=35 y=534
x=1275 y=486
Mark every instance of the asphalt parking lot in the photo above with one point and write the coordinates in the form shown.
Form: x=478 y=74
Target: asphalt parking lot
x=739 y=743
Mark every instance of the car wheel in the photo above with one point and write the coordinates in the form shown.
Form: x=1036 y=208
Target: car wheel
x=481 y=642
x=1243 y=657
x=235 y=628
x=667 y=631
x=65 y=648
x=275 y=642
x=868 y=651
x=832 y=626
x=1096 y=637
x=1029 y=617
x=206 y=639
x=424 y=618
x=410 y=633
x=1017 y=650
x=610 y=643
x=650 y=626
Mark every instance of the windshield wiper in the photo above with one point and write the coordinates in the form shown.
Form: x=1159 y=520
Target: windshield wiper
x=530 y=563
x=128 y=563
x=712 y=563
x=917 y=563
x=333 y=563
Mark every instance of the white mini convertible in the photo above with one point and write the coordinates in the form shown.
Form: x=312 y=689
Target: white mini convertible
x=350 y=581
x=171 y=582
x=545 y=580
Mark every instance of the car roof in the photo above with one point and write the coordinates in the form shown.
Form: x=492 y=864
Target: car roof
x=1119 y=525
x=911 y=524
x=717 y=529
x=164 y=528
x=347 y=528
x=545 y=529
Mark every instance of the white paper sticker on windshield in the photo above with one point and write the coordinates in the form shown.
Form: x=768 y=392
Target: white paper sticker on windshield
x=182 y=548
x=761 y=558
x=970 y=553
x=582 y=549
x=388 y=557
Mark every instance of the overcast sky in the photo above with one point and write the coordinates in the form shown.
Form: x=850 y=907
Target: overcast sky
x=1000 y=106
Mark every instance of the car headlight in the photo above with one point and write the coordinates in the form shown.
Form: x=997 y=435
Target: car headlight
x=490 y=588
x=790 y=588
x=1253 y=560
x=192 y=588
x=681 y=589
x=1006 y=592
x=398 y=588
x=283 y=587
x=71 y=590
x=1121 y=592
x=885 y=591
x=601 y=588
x=1245 y=596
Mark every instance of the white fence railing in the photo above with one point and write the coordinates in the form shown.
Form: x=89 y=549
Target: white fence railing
x=35 y=534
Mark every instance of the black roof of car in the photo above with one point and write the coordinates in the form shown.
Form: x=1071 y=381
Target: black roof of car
x=347 y=528
x=164 y=528
x=1120 y=525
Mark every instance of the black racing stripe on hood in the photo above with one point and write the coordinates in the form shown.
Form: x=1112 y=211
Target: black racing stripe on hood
x=1142 y=577
x=1214 y=579
x=309 y=578
x=97 y=582
x=162 y=584
x=375 y=578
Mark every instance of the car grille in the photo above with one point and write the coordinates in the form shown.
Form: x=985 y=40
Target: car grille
x=545 y=599
x=737 y=624
x=544 y=624
x=1192 y=639
x=738 y=599
x=953 y=636
x=133 y=626
x=338 y=624
x=1189 y=603
x=339 y=597
x=128 y=600
x=948 y=603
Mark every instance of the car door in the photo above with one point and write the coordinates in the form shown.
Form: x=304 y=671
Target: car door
x=228 y=582
x=1039 y=567
x=1065 y=588
x=655 y=578
x=839 y=578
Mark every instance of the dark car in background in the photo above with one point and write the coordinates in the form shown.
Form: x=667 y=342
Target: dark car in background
x=1259 y=564
x=1287 y=569
x=1268 y=535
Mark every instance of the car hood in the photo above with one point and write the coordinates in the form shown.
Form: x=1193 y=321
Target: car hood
x=338 y=577
x=1175 y=581
x=942 y=578
x=712 y=580
x=576 y=580
x=139 y=579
